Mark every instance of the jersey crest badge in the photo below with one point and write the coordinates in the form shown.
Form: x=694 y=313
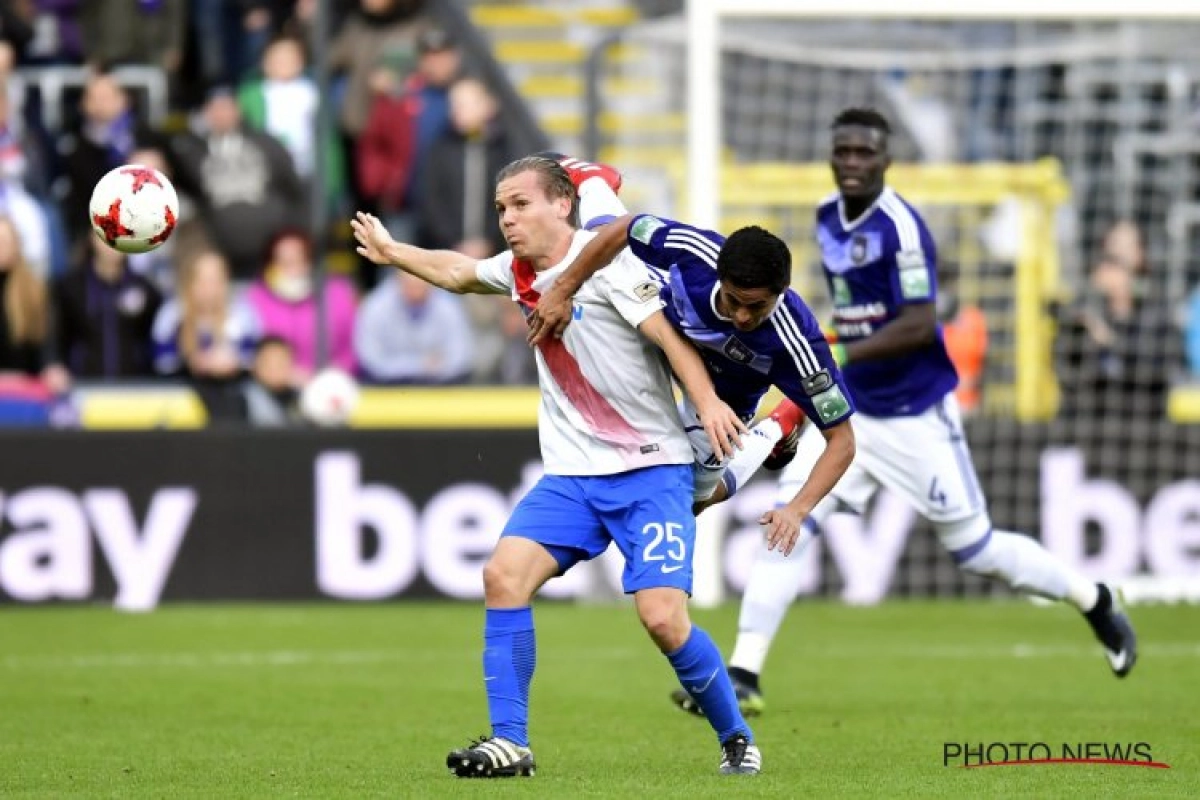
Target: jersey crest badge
x=858 y=250
x=736 y=351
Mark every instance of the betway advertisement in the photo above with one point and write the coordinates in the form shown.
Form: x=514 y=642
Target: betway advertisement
x=141 y=518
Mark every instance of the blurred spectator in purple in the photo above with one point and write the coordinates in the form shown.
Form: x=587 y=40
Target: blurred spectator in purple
x=272 y=398
x=408 y=332
x=243 y=181
x=455 y=202
x=208 y=336
x=286 y=306
x=103 y=317
x=283 y=103
x=57 y=38
x=150 y=32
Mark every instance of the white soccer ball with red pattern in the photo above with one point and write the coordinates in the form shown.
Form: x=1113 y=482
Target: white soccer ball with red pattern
x=329 y=399
x=134 y=209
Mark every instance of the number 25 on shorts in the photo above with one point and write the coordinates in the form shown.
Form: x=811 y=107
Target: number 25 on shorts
x=666 y=544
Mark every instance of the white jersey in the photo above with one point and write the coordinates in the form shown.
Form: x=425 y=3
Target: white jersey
x=607 y=400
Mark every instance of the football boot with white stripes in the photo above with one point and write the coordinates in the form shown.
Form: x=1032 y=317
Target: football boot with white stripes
x=491 y=757
x=740 y=756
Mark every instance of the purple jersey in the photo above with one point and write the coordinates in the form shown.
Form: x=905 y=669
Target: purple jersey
x=788 y=350
x=876 y=265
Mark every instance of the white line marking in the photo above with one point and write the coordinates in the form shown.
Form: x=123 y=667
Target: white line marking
x=290 y=658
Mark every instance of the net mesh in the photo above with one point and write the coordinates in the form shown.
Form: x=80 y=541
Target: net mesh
x=1099 y=273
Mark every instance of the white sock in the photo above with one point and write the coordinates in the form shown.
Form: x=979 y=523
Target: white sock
x=774 y=582
x=755 y=449
x=1022 y=563
x=1082 y=592
x=750 y=652
x=598 y=203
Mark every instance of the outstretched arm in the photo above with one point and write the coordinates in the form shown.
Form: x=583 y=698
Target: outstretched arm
x=445 y=269
x=723 y=427
x=553 y=312
x=783 y=523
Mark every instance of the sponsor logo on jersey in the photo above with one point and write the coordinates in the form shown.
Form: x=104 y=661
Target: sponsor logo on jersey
x=643 y=230
x=841 y=292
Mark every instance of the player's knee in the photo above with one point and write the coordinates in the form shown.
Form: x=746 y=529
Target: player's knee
x=663 y=613
x=503 y=584
x=984 y=557
x=967 y=540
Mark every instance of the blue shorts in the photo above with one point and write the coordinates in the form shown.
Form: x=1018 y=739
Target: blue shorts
x=646 y=512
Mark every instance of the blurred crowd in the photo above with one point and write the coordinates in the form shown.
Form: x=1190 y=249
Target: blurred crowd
x=229 y=303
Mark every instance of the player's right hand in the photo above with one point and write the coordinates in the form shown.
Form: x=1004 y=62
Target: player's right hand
x=550 y=317
x=724 y=428
x=373 y=239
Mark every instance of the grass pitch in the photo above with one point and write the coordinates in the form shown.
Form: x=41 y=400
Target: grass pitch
x=365 y=701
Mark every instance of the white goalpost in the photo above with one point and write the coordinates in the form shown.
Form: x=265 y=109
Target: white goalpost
x=1023 y=152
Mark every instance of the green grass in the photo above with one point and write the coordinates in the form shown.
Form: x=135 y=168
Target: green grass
x=364 y=701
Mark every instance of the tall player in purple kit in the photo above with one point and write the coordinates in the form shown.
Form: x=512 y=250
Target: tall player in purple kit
x=881 y=265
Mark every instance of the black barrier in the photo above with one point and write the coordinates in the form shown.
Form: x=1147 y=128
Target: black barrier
x=143 y=517
x=242 y=515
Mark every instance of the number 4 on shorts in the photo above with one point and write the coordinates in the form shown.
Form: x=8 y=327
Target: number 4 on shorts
x=936 y=494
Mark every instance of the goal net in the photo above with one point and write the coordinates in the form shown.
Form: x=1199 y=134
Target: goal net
x=1056 y=156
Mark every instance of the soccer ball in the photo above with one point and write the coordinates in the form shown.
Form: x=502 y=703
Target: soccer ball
x=134 y=209
x=329 y=399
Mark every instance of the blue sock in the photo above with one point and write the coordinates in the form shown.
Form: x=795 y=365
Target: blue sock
x=509 y=655
x=702 y=673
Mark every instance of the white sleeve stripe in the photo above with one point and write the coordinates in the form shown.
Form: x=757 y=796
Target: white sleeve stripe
x=802 y=365
x=794 y=328
x=678 y=235
x=796 y=345
x=906 y=224
x=701 y=254
x=902 y=218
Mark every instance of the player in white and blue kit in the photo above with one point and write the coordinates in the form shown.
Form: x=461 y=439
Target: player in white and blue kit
x=617 y=461
x=880 y=262
x=729 y=298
